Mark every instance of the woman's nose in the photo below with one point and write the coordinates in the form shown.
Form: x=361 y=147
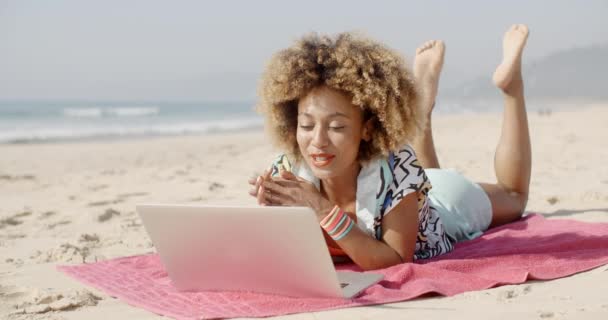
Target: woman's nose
x=320 y=138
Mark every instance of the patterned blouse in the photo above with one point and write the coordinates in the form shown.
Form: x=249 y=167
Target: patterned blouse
x=381 y=185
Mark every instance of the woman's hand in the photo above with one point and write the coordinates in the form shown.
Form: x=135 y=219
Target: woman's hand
x=289 y=190
x=257 y=189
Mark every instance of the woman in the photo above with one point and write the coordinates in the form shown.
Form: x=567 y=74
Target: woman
x=355 y=125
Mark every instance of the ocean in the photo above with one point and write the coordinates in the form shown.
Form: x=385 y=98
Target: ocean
x=34 y=122
x=29 y=122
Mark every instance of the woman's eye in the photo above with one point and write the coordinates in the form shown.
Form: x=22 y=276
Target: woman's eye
x=306 y=127
x=337 y=128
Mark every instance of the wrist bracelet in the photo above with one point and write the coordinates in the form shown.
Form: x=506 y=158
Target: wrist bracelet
x=337 y=223
x=329 y=215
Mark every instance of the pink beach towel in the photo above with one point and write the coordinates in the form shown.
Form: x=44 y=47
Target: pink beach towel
x=532 y=248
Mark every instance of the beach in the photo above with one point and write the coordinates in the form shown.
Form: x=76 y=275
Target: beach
x=74 y=202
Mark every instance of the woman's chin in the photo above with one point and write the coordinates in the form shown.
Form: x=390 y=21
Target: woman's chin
x=323 y=173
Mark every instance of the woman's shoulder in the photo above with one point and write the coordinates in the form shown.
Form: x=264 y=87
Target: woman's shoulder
x=406 y=169
x=404 y=157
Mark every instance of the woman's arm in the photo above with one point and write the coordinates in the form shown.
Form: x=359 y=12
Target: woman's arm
x=399 y=232
x=400 y=226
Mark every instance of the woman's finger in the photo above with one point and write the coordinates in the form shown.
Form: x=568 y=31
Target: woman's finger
x=260 y=196
x=273 y=186
x=254 y=177
x=279 y=194
x=255 y=186
x=258 y=183
x=277 y=199
x=287 y=175
x=253 y=192
x=253 y=181
x=286 y=183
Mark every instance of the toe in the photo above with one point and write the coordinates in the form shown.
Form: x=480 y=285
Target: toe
x=440 y=44
x=422 y=48
x=522 y=28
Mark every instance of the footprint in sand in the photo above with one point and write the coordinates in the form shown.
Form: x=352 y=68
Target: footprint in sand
x=47 y=214
x=181 y=172
x=507 y=295
x=215 y=186
x=15 y=262
x=123 y=196
x=510 y=294
x=85 y=237
x=113 y=172
x=57 y=224
x=14 y=220
x=105 y=202
x=38 y=301
x=10 y=221
x=98 y=187
x=197 y=199
x=553 y=200
x=12 y=236
x=9 y=177
x=66 y=252
x=131 y=223
x=107 y=215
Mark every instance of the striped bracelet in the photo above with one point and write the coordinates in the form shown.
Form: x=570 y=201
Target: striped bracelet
x=337 y=223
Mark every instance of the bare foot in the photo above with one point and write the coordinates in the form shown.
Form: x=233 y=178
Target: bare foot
x=427 y=69
x=513 y=45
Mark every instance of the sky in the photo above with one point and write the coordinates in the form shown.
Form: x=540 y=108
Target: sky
x=121 y=50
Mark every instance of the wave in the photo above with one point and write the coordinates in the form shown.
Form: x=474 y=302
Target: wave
x=87 y=112
x=83 y=112
x=63 y=133
x=133 y=111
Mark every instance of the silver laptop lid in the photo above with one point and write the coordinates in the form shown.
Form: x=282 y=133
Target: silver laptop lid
x=277 y=250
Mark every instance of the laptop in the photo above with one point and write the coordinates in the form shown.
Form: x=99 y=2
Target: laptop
x=276 y=250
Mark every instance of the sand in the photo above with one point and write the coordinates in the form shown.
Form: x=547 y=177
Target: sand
x=75 y=202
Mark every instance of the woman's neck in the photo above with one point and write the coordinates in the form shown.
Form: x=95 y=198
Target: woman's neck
x=342 y=190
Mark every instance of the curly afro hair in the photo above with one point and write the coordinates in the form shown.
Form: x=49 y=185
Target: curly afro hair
x=374 y=76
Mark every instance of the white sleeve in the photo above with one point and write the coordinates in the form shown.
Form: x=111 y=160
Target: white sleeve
x=408 y=177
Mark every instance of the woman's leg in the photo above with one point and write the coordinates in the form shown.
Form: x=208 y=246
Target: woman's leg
x=512 y=160
x=427 y=69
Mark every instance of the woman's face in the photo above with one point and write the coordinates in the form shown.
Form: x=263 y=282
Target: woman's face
x=330 y=129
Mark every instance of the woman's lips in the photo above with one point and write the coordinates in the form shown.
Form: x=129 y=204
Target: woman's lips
x=322 y=159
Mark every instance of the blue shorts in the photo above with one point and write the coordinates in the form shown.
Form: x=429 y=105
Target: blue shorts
x=463 y=206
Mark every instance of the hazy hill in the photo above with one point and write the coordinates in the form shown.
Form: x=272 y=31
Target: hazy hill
x=578 y=73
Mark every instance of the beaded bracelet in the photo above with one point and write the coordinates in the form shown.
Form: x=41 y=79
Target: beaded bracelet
x=337 y=223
